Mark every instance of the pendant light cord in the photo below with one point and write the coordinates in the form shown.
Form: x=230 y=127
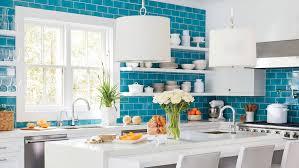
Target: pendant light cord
x=143 y=9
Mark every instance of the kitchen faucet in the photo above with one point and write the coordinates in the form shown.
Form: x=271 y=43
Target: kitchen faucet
x=232 y=126
x=73 y=109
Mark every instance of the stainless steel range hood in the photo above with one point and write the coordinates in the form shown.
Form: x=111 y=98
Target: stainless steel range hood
x=278 y=54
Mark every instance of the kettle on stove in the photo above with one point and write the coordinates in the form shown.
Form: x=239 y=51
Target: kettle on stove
x=214 y=111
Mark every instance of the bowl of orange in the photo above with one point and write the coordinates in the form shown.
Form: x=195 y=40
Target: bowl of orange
x=194 y=114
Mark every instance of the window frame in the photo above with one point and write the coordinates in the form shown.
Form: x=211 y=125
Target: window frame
x=51 y=112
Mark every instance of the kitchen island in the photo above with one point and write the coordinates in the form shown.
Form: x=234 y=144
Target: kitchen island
x=78 y=154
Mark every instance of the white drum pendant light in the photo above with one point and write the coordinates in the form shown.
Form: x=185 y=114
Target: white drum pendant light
x=232 y=47
x=142 y=38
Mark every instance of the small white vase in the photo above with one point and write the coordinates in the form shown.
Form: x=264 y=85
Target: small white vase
x=109 y=116
x=175 y=39
x=249 y=116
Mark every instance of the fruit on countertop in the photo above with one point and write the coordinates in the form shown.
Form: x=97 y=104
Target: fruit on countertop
x=194 y=114
x=194 y=111
x=127 y=120
x=43 y=123
x=136 y=120
x=156 y=125
x=30 y=125
x=130 y=136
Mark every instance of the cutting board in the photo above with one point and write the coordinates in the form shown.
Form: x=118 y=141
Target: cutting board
x=38 y=129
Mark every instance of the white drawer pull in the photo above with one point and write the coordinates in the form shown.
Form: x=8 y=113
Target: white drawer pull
x=3 y=159
x=3 y=147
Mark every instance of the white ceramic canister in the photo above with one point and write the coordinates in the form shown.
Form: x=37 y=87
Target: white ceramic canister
x=277 y=113
x=175 y=39
x=186 y=33
x=249 y=116
x=186 y=40
x=199 y=86
x=148 y=89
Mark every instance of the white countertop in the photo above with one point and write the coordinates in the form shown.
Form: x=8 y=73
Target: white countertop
x=149 y=154
x=18 y=133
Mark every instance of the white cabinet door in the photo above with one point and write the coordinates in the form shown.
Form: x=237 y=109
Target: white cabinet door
x=9 y=161
x=236 y=82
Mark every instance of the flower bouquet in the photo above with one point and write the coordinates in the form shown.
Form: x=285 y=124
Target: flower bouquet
x=173 y=103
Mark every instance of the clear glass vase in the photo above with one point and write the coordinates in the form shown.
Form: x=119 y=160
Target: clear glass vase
x=173 y=125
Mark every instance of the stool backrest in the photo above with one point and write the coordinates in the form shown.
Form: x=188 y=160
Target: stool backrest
x=255 y=157
x=290 y=158
x=206 y=160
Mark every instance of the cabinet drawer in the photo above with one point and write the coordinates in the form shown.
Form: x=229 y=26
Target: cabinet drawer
x=8 y=161
x=10 y=147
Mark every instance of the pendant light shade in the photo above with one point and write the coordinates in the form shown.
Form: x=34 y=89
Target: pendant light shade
x=232 y=47
x=142 y=38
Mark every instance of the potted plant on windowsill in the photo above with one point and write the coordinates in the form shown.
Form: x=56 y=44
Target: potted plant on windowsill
x=108 y=96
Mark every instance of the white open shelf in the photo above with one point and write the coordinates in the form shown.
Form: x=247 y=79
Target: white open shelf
x=186 y=48
x=163 y=70
x=8 y=33
x=7 y=63
x=127 y=94
x=8 y=94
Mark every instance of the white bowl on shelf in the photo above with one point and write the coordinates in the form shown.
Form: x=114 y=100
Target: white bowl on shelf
x=188 y=66
x=132 y=64
x=171 y=82
x=200 y=64
x=171 y=87
x=135 y=88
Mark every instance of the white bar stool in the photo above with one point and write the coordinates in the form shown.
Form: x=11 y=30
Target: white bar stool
x=205 y=160
x=290 y=156
x=255 y=157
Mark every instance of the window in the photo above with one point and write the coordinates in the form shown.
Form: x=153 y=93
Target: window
x=61 y=60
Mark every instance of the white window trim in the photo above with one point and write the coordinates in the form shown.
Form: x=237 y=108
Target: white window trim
x=23 y=13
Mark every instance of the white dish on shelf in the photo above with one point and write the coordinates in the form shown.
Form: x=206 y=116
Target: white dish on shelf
x=135 y=88
x=188 y=66
x=200 y=64
x=132 y=64
x=168 y=65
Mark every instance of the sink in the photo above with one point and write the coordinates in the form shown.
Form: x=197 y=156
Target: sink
x=82 y=127
x=216 y=132
x=212 y=135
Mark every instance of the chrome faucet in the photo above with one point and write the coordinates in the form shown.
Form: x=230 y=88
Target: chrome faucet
x=60 y=120
x=73 y=109
x=233 y=126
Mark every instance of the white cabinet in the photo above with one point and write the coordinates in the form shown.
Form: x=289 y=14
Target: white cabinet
x=11 y=153
x=236 y=82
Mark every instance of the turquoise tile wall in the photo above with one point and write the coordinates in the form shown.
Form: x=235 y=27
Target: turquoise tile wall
x=279 y=78
x=181 y=18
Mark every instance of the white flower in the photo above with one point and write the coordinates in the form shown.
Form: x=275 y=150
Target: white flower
x=176 y=99
x=161 y=99
x=188 y=98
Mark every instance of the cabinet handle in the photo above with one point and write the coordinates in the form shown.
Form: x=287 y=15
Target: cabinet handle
x=3 y=159
x=4 y=147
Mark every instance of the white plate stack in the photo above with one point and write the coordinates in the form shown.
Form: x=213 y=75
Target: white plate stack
x=169 y=65
x=171 y=85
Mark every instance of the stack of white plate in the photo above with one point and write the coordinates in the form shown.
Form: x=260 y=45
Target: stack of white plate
x=169 y=65
x=159 y=87
x=171 y=85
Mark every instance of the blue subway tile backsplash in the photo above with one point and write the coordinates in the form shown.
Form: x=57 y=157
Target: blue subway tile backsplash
x=181 y=18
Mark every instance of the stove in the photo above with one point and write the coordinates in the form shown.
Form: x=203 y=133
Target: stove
x=287 y=130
